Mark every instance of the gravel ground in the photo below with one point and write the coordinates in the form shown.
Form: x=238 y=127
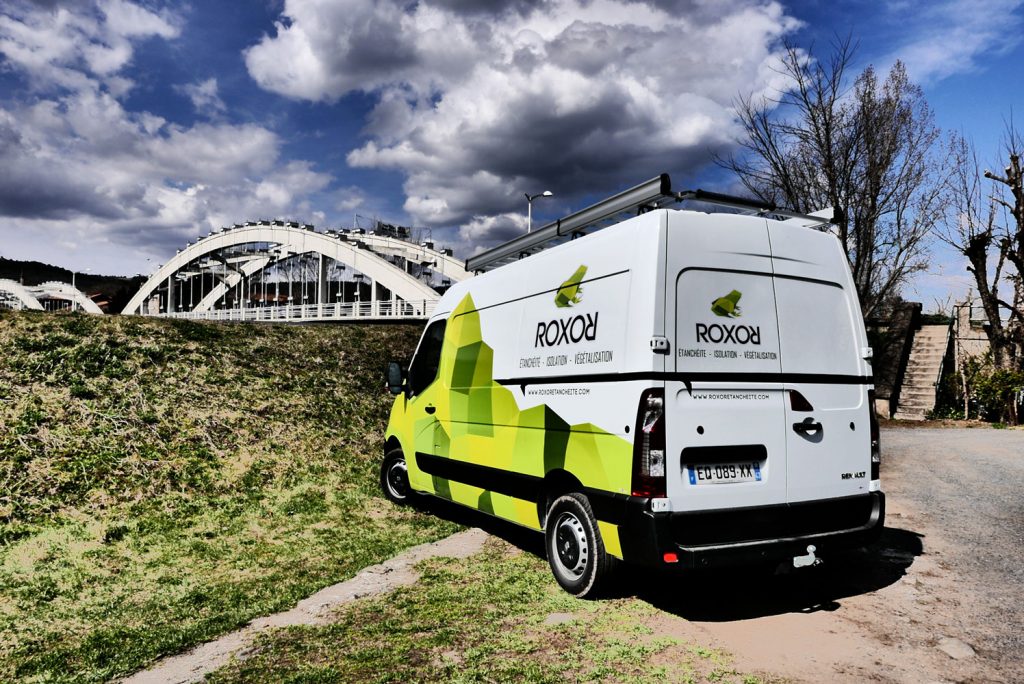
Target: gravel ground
x=968 y=485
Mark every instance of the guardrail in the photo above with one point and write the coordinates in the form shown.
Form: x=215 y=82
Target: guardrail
x=386 y=310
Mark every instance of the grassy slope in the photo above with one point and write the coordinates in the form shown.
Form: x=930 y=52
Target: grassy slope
x=163 y=482
x=495 y=617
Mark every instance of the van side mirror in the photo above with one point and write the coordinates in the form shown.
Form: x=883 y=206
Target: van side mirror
x=395 y=378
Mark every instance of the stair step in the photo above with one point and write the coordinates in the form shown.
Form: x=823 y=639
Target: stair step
x=926 y=378
x=907 y=395
x=917 y=394
x=923 y=398
x=922 y=369
x=916 y=402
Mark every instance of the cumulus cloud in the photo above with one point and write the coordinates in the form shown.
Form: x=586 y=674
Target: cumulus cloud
x=78 y=45
x=483 y=229
x=84 y=163
x=88 y=180
x=479 y=102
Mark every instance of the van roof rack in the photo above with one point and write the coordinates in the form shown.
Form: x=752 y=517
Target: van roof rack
x=647 y=196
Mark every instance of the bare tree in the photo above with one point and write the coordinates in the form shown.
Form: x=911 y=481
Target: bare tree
x=987 y=227
x=867 y=149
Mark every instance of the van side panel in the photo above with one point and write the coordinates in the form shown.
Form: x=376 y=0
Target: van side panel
x=528 y=384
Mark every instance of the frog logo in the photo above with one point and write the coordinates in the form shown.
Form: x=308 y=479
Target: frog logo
x=571 y=292
x=727 y=306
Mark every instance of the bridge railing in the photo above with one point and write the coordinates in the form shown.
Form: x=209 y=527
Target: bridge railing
x=336 y=311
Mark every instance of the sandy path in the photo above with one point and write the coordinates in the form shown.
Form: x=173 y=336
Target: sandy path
x=194 y=665
x=881 y=615
x=889 y=634
x=935 y=600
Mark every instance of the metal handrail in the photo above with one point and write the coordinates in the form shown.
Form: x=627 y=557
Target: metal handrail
x=377 y=310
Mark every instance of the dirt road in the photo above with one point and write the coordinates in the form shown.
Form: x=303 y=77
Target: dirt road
x=938 y=599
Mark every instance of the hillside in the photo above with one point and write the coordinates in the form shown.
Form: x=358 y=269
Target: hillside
x=165 y=481
x=117 y=289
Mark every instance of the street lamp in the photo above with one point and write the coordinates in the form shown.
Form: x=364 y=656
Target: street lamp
x=529 y=207
x=74 y=302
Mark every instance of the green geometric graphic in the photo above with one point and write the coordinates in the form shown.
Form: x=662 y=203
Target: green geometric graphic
x=727 y=306
x=570 y=292
x=477 y=420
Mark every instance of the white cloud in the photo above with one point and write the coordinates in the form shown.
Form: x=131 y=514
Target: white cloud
x=481 y=229
x=88 y=181
x=954 y=36
x=130 y=20
x=204 y=97
x=349 y=199
x=478 y=102
x=71 y=47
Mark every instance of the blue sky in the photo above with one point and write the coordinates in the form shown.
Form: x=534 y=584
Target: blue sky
x=128 y=128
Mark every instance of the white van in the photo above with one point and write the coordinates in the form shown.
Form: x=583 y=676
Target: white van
x=680 y=389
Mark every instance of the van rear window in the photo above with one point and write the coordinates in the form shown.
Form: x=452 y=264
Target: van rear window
x=725 y=322
x=816 y=329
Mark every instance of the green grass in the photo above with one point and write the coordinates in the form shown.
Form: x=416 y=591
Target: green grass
x=164 y=482
x=484 y=619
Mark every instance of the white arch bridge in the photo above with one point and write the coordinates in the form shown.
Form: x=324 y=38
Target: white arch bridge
x=286 y=272
x=52 y=295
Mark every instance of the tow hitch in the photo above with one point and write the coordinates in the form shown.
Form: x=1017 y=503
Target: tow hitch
x=806 y=561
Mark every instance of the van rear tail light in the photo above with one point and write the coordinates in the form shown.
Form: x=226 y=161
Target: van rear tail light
x=649 y=445
x=876 y=445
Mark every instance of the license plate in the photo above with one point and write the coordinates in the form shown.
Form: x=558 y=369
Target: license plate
x=723 y=473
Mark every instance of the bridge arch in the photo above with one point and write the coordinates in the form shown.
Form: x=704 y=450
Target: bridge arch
x=231 y=256
x=55 y=289
x=14 y=295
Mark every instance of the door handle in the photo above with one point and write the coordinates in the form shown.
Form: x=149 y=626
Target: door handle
x=429 y=409
x=807 y=426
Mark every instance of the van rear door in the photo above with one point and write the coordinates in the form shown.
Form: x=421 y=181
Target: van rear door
x=724 y=402
x=821 y=337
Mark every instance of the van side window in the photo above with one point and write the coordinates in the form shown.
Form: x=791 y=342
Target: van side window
x=428 y=359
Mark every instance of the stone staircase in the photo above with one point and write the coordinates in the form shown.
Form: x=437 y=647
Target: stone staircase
x=917 y=394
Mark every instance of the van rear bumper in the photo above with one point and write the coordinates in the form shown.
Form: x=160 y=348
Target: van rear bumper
x=763 y=534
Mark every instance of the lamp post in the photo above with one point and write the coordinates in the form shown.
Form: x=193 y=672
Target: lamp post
x=74 y=302
x=529 y=207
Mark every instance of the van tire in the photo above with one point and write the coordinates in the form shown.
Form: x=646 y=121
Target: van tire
x=575 y=549
x=394 y=478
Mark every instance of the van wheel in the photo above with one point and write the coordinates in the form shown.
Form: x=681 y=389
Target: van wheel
x=574 y=547
x=394 y=478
